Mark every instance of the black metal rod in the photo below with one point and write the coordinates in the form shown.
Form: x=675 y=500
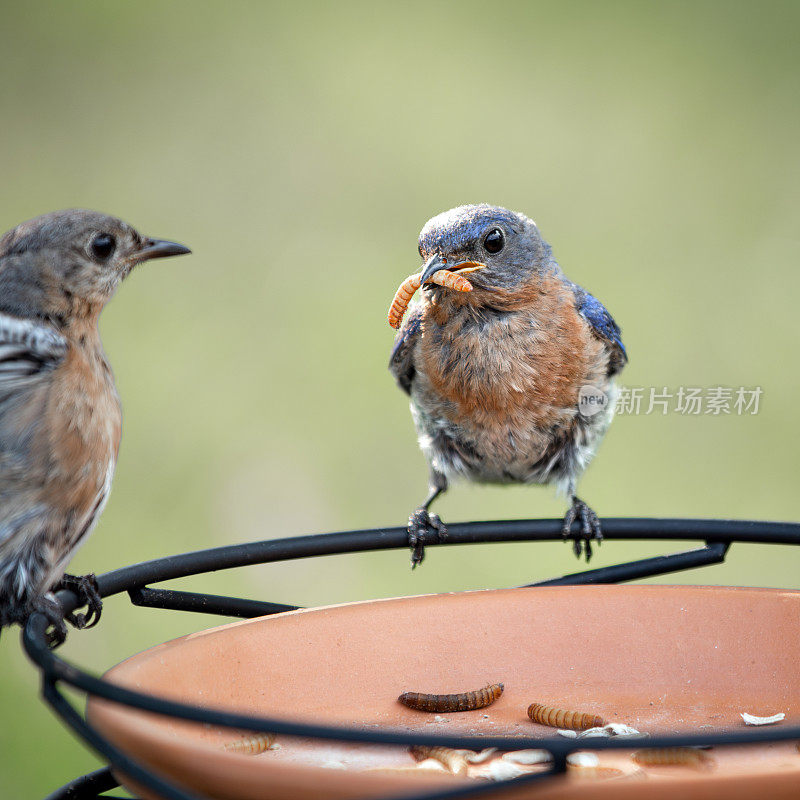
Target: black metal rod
x=484 y=787
x=645 y=568
x=55 y=668
x=162 y=569
x=180 y=566
x=131 y=768
x=205 y=603
x=86 y=787
x=173 y=600
x=718 y=534
x=169 y=791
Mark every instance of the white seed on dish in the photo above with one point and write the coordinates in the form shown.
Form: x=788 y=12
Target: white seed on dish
x=583 y=760
x=527 y=756
x=612 y=729
x=618 y=729
x=479 y=758
x=500 y=770
x=590 y=732
x=432 y=763
x=750 y=719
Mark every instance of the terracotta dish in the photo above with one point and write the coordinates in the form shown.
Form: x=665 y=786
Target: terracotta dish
x=657 y=658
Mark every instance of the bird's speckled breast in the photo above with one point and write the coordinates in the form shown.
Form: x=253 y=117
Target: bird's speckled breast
x=83 y=431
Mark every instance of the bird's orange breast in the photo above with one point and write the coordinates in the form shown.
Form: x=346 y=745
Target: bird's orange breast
x=82 y=428
x=523 y=366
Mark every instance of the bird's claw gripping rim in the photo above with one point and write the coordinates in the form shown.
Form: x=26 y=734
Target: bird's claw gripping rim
x=423 y=528
x=88 y=593
x=48 y=606
x=589 y=528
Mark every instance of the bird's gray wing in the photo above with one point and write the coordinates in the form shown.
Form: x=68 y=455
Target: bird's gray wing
x=28 y=350
x=401 y=362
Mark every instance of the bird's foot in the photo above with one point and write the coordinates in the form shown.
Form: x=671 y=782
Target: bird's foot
x=589 y=528
x=423 y=528
x=88 y=592
x=48 y=605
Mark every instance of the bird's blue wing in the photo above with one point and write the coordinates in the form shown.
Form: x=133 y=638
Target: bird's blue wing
x=603 y=326
x=401 y=361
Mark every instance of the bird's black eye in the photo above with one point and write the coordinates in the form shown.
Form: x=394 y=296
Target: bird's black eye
x=103 y=246
x=494 y=241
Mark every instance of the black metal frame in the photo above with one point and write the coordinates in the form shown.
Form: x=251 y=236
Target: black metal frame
x=717 y=536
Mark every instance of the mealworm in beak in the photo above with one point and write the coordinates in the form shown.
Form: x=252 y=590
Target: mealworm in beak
x=406 y=290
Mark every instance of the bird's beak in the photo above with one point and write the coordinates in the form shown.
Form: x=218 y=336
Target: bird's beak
x=433 y=264
x=159 y=248
x=436 y=262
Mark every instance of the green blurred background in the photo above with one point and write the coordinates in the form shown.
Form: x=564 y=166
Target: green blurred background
x=298 y=149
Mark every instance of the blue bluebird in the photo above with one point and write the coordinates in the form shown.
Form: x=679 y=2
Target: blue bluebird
x=498 y=376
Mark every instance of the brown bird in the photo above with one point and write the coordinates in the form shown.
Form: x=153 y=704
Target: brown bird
x=60 y=415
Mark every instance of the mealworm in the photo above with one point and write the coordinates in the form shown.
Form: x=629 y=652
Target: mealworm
x=559 y=718
x=466 y=701
x=413 y=772
x=451 y=280
x=455 y=761
x=596 y=772
x=671 y=756
x=402 y=298
x=251 y=745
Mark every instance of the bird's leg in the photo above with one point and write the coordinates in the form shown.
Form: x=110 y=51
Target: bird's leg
x=421 y=522
x=589 y=527
x=48 y=605
x=88 y=592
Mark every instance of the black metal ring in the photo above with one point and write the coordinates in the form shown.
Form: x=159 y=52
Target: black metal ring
x=717 y=536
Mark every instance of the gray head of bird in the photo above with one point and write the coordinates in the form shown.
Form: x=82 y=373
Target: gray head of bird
x=74 y=253
x=496 y=249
